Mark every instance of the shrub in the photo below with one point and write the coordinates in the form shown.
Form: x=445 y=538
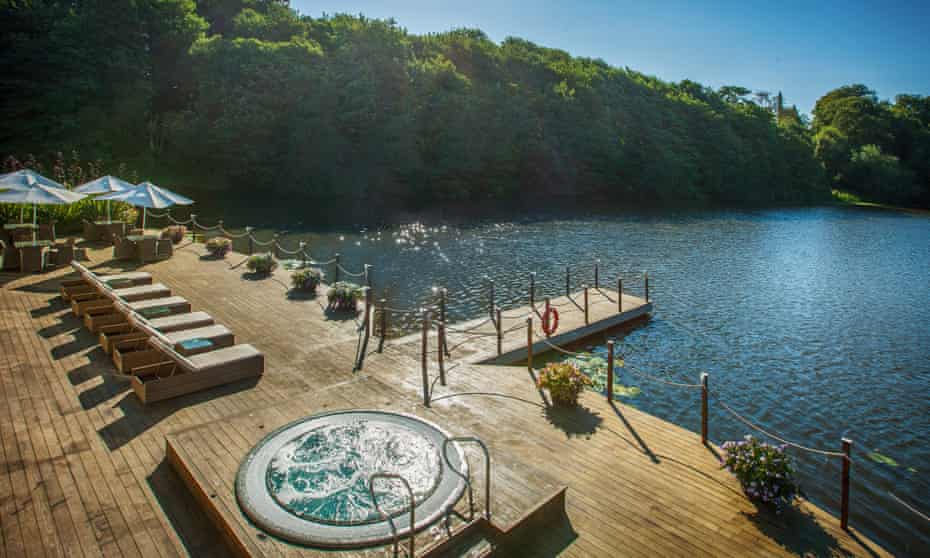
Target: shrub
x=127 y=214
x=219 y=246
x=344 y=296
x=306 y=279
x=564 y=381
x=764 y=470
x=174 y=232
x=261 y=263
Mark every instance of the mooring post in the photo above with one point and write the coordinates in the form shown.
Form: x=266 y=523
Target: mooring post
x=193 y=228
x=274 y=246
x=500 y=331
x=844 y=500
x=444 y=346
x=646 y=284
x=248 y=231
x=424 y=350
x=533 y=290
x=568 y=281
x=368 y=275
x=384 y=324
x=490 y=296
x=610 y=370
x=704 y=378
x=619 y=294
x=336 y=267
x=585 y=305
x=303 y=253
x=597 y=275
x=529 y=344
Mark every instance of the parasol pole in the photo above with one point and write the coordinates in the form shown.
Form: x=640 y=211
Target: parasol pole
x=34 y=222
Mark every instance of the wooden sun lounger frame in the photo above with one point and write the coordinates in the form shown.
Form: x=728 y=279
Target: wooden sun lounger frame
x=166 y=378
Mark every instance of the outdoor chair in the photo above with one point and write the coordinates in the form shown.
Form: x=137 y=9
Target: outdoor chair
x=46 y=231
x=123 y=249
x=116 y=311
x=62 y=253
x=89 y=231
x=111 y=335
x=117 y=280
x=131 y=353
x=173 y=374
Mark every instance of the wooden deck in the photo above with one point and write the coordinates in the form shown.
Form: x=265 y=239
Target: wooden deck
x=84 y=470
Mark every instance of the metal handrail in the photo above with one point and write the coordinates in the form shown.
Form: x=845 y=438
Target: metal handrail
x=463 y=476
x=389 y=518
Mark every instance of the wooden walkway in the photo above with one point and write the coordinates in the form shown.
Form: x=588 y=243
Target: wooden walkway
x=83 y=467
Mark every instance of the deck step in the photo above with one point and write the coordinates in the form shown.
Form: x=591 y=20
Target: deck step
x=474 y=540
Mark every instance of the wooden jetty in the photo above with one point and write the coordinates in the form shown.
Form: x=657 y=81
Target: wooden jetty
x=87 y=470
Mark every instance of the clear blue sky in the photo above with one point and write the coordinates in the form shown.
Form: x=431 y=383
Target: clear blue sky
x=805 y=49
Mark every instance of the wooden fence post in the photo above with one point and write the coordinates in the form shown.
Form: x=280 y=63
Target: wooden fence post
x=251 y=240
x=368 y=268
x=424 y=354
x=568 y=281
x=490 y=296
x=336 y=264
x=368 y=301
x=646 y=284
x=844 y=500
x=193 y=228
x=597 y=275
x=610 y=370
x=545 y=321
x=384 y=324
x=443 y=346
x=440 y=352
x=303 y=254
x=704 y=378
x=585 y=305
x=529 y=344
x=274 y=246
x=619 y=294
x=500 y=332
x=533 y=290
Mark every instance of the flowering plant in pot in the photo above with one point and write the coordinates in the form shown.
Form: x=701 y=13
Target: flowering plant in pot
x=262 y=264
x=218 y=246
x=174 y=232
x=344 y=296
x=306 y=279
x=764 y=470
x=564 y=381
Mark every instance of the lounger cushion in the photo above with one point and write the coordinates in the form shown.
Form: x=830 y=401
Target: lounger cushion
x=177 y=322
x=208 y=332
x=224 y=357
x=158 y=290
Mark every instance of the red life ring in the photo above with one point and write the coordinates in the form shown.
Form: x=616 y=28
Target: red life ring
x=550 y=321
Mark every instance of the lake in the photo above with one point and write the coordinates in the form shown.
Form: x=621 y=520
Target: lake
x=813 y=322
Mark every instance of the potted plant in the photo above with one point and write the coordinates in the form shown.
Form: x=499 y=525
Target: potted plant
x=344 y=296
x=306 y=279
x=564 y=381
x=175 y=233
x=219 y=246
x=262 y=264
x=764 y=470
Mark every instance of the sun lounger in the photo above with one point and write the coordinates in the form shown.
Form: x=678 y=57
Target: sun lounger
x=125 y=331
x=114 y=313
x=80 y=303
x=177 y=375
x=86 y=283
x=187 y=342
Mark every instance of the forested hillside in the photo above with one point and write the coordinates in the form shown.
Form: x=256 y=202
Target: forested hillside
x=247 y=95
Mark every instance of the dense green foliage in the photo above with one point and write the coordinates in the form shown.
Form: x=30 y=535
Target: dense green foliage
x=876 y=149
x=247 y=95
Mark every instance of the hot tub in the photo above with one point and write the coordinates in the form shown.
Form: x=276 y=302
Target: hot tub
x=307 y=482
